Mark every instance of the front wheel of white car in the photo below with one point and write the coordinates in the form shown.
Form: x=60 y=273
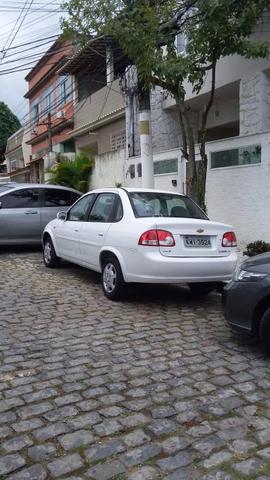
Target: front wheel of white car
x=50 y=258
x=202 y=289
x=113 y=283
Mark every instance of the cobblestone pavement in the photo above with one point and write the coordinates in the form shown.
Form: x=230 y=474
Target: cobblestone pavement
x=155 y=387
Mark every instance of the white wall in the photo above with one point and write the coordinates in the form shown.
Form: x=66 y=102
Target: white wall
x=240 y=195
x=108 y=169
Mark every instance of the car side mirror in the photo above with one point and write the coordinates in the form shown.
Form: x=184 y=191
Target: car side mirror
x=62 y=216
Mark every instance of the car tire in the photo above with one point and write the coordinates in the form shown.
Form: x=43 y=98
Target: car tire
x=50 y=258
x=113 y=283
x=264 y=331
x=202 y=289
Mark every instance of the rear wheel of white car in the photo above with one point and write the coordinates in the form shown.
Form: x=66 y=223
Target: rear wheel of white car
x=201 y=289
x=50 y=258
x=113 y=283
x=265 y=331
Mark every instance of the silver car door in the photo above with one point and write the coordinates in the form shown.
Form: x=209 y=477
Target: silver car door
x=20 y=216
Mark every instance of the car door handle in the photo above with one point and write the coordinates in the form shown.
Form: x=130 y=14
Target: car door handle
x=76 y=229
x=31 y=212
x=100 y=234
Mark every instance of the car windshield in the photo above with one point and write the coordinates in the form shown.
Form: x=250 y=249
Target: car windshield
x=155 y=204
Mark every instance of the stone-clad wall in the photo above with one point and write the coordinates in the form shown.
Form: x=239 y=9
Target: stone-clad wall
x=254 y=104
x=165 y=126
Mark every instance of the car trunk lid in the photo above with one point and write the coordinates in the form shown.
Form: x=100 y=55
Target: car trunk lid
x=194 y=237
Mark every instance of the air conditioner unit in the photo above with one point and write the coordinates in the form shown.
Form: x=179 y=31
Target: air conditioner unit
x=60 y=114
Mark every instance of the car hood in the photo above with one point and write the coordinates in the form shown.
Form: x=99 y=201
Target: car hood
x=260 y=263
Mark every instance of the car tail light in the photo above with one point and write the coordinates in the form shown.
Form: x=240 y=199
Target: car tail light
x=157 y=238
x=229 y=240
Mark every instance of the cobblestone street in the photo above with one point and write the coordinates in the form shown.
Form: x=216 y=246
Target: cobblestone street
x=152 y=388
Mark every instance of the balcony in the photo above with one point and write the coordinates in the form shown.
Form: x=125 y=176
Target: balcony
x=100 y=107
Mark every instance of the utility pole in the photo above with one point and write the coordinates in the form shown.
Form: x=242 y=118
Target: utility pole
x=144 y=127
x=145 y=136
x=49 y=124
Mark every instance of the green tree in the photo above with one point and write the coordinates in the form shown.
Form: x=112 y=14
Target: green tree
x=146 y=30
x=72 y=173
x=9 y=124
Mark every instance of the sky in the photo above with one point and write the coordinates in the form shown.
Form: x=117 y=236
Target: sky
x=40 y=21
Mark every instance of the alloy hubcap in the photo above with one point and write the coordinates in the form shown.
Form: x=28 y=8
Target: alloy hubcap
x=109 y=278
x=47 y=252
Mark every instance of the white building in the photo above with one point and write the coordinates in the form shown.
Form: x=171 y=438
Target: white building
x=238 y=147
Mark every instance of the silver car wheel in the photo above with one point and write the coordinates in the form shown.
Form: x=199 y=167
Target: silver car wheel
x=47 y=252
x=109 y=277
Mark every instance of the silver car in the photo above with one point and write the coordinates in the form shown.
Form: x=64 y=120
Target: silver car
x=25 y=210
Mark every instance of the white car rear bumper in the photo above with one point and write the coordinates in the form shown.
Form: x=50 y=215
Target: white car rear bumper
x=152 y=267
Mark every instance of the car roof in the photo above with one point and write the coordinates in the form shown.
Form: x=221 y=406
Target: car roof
x=19 y=186
x=137 y=190
x=151 y=190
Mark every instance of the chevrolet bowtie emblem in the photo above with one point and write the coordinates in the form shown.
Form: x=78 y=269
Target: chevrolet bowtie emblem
x=200 y=230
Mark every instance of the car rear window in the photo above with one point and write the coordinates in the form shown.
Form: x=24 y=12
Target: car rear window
x=155 y=204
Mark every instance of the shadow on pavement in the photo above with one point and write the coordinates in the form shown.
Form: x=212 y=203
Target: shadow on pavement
x=9 y=249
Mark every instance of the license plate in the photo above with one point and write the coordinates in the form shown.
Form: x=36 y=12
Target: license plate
x=197 y=242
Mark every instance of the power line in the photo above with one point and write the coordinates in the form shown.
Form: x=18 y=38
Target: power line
x=35 y=56
x=49 y=38
x=11 y=33
x=31 y=23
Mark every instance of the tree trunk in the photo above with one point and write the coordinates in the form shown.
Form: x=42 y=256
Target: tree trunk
x=201 y=182
x=188 y=146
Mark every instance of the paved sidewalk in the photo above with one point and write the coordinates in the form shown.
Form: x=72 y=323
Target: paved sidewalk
x=155 y=387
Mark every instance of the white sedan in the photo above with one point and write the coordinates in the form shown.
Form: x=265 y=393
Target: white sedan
x=142 y=236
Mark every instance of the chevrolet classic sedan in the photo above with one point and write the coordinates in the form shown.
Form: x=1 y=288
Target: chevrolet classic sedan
x=142 y=236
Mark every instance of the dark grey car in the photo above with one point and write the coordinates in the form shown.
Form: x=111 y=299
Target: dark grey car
x=25 y=210
x=246 y=299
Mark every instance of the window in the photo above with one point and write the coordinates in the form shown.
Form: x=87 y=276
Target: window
x=151 y=204
x=48 y=103
x=27 y=198
x=181 y=43
x=13 y=165
x=119 y=210
x=118 y=141
x=132 y=171
x=78 y=212
x=103 y=208
x=35 y=110
x=57 y=198
x=74 y=197
x=64 y=90
x=67 y=147
x=237 y=156
x=166 y=166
